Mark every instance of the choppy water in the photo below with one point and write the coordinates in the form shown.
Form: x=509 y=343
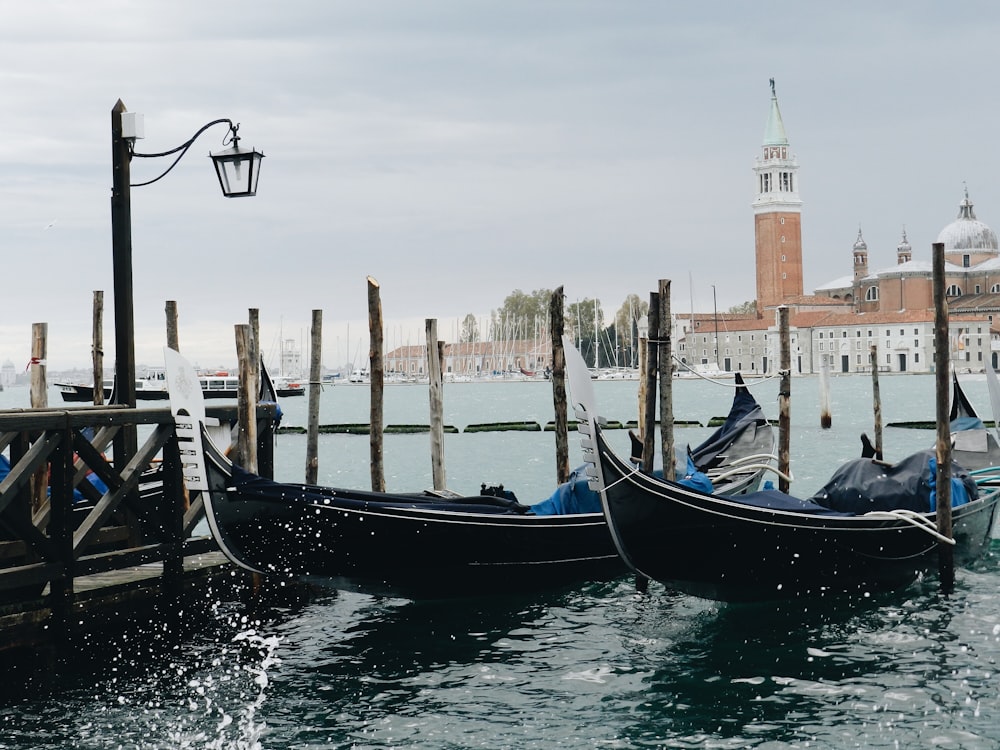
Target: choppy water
x=593 y=666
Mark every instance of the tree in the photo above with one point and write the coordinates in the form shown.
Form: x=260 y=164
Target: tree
x=470 y=329
x=746 y=308
x=584 y=319
x=521 y=315
x=626 y=329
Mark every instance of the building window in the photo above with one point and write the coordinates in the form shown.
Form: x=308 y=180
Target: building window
x=821 y=334
x=916 y=357
x=966 y=261
x=978 y=289
x=995 y=289
x=872 y=294
x=916 y=343
x=953 y=291
x=765 y=183
x=822 y=347
x=782 y=220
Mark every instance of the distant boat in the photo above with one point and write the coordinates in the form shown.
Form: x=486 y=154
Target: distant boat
x=153 y=387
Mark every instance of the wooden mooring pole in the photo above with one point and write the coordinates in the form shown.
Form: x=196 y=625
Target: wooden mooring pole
x=170 y=310
x=315 y=387
x=665 y=368
x=652 y=368
x=557 y=325
x=246 y=401
x=39 y=394
x=784 y=400
x=876 y=401
x=436 y=391
x=825 y=415
x=942 y=357
x=97 y=356
x=376 y=371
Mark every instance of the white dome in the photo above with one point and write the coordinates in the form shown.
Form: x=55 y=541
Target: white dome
x=967 y=232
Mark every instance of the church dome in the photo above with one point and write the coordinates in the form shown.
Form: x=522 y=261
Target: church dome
x=967 y=232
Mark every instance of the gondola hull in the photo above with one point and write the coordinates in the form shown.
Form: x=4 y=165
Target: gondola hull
x=727 y=550
x=401 y=545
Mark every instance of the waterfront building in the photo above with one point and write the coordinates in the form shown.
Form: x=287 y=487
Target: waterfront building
x=891 y=309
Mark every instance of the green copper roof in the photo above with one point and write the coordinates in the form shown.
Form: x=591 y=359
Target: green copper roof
x=774 y=133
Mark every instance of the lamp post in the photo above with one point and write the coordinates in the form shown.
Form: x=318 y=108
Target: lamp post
x=237 y=169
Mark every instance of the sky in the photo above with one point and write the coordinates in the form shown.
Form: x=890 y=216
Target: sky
x=458 y=150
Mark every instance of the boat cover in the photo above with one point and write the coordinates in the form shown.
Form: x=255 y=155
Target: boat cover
x=744 y=412
x=865 y=484
x=575 y=495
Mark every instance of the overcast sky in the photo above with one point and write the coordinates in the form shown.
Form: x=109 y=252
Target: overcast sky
x=458 y=150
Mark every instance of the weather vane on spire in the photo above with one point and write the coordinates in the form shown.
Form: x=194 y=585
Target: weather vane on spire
x=772 y=88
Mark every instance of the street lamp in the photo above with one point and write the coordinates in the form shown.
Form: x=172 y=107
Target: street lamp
x=237 y=169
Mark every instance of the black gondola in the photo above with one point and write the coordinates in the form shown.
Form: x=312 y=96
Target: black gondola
x=415 y=545
x=769 y=545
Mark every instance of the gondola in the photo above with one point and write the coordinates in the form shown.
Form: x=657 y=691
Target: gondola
x=974 y=446
x=769 y=545
x=414 y=545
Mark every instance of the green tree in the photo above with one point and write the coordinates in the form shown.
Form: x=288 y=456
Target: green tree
x=746 y=308
x=584 y=319
x=626 y=329
x=470 y=329
x=521 y=315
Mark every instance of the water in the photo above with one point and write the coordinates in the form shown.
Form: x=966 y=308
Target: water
x=596 y=665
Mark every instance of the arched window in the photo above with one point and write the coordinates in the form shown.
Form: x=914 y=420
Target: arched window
x=995 y=289
x=872 y=294
x=953 y=291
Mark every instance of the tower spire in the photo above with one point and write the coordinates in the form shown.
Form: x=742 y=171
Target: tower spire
x=777 y=209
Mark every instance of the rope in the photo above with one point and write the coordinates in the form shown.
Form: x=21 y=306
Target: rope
x=727 y=383
x=913 y=518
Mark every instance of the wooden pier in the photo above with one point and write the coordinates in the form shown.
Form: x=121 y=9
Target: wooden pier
x=91 y=545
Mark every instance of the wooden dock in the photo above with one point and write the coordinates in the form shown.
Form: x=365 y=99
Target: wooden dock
x=98 y=538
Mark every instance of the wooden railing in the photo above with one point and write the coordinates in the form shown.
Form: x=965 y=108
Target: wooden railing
x=68 y=509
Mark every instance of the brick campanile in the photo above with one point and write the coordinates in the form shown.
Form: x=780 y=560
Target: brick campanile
x=777 y=211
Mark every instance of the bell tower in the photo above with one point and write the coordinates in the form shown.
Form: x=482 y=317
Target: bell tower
x=777 y=211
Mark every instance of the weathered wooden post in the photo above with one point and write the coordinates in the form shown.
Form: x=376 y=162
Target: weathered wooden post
x=876 y=401
x=557 y=325
x=825 y=415
x=253 y=318
x=246 y=402
x=39 y=394
x=665 y=366
x=172 y=337
x=643 y=354
x=942 y=356
x=652 y=368
x=436 y=390
x=784 y=400
x=98 y=353
x=315 y=386
x=376 y=371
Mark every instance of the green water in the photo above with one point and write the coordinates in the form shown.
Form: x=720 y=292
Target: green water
x=597 y=665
